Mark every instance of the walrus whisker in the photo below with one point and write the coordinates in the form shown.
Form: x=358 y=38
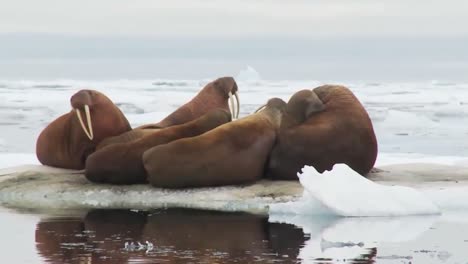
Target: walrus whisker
x=260 y=108
x=88 y=117
x=232 y=106
x=238 y=104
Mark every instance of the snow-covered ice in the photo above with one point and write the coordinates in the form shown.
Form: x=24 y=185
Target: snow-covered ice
x=343 y=192
x=38 y=186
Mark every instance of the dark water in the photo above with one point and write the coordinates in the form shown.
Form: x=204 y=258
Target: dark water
x=178 y=236
x=195 y=236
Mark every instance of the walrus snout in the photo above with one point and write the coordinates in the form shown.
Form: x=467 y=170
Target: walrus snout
x=234 y=91
x=228 y=86
x=81 y=101
x=82 y=98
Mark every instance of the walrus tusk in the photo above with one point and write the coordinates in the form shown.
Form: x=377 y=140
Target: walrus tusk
x=88 y=119
x=260 y=108
x=238 y=104
x=232 y=107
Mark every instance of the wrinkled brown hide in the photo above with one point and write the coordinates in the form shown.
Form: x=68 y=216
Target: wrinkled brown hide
x=233 y=153
x=214 y=95
x=339 y=132
x=120 y=161
x=64 y=144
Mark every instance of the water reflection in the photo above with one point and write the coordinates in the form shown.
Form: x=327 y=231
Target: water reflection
x=187 y=236
x=179 y=236
x=354 y=240
x=97 y=238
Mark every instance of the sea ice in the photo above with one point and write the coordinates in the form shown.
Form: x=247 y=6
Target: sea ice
x=248 y=75
x=344 y=192
x=438 y=180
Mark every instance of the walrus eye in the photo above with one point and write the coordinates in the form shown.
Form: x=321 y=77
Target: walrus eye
x=88 y=119
x=232 y=107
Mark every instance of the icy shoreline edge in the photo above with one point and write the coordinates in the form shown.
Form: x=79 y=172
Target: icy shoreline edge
x=41 y=187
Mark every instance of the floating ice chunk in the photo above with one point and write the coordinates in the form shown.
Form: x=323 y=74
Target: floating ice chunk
x=306 y=205
x=248 y=75
x=346 y=193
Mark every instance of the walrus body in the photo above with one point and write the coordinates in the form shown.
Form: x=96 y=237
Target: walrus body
x=339 y=132
x=121 y=163
x=66 y=142
x=215 y=94
x=233 y=153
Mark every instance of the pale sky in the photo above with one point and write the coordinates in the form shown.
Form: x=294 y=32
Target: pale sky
x=236 y=17
x=282 y=39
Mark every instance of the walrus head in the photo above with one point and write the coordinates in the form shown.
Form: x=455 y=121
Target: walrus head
x=91 y=103
x=300 y=107
x=228 y=87
x=303 y=104
x=276 y=103
x=81 y=103
x=275 y=108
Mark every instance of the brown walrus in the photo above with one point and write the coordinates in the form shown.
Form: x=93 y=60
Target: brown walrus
x=216 y=94
x=320 y=128
x=67 y=141
x=121 y=163
x=233 y=153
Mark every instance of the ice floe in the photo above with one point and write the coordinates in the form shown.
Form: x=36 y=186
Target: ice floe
x=344 y=192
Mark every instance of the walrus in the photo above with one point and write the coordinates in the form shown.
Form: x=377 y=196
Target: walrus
x=219 y=93
x=322 y=127
x=68 y=140
x=233 y=153
x=121 y=162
